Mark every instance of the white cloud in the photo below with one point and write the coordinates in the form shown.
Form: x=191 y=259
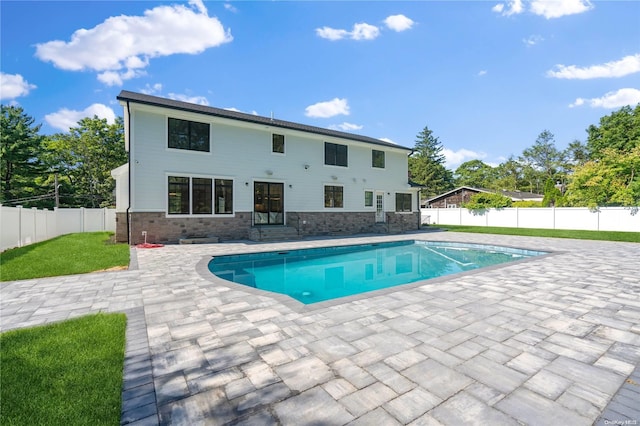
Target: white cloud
x=230 y=8
x=199 y=100
x=120 y=48
x=360 y=31
x=625 y=66
x=152 y=90
x=512 y=7
x=617 y=99
x=346 y=127
x=65 y=118
x=532 y=40
x=398 y=23
x=455 y=158
x=328 y=109
x=482 y=72
x=547 y=8
x=332 y=33
x=13 y=86
x=557 y=8
x=388 y=140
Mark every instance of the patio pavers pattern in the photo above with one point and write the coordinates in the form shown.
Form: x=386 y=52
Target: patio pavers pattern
x=553 y=340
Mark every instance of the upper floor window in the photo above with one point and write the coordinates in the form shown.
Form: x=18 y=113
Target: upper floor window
x=190 y=135
x=377 y=159
x=335 y=154
x=403 y=202
x=277 y=143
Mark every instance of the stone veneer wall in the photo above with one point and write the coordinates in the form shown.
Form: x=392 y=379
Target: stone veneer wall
x=163 y=229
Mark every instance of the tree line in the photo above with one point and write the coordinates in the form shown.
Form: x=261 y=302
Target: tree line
x=73 y=169
x=70 y=169
x=604 y=171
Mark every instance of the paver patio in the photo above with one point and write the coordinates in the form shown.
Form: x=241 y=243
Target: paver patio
x=551 y=340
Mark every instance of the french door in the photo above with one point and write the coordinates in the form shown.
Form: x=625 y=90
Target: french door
x=380 y=207
x=268 y=201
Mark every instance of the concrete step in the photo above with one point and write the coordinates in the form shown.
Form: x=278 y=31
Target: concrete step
x=273 y=233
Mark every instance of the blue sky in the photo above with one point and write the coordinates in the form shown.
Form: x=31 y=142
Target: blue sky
x=485 y=76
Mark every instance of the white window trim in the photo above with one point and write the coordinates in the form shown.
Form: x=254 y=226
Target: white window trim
x=278 y=154
x=324 y=185
x=373 y=199
x=186 y=151
x=213 y=178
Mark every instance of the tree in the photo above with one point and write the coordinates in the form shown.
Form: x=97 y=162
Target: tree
x=508 y=176
x=552 y=195
x=426 y=165
x=486 y=200
x=84 y=158
x=543 y=161
x=20 y=152
x=612 y=180
x=475 y=174
x=619 y=131
x=576 y=154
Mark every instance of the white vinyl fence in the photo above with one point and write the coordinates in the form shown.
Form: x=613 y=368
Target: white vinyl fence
x=20 y=226
x=574 y=218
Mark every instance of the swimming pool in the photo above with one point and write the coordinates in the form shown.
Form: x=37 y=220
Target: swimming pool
x=318 y=274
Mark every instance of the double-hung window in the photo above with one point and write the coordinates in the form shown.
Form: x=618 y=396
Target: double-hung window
x=196 y=195
x=333 y=196
x=403 y=202
x=335 y=154
x=189 y=135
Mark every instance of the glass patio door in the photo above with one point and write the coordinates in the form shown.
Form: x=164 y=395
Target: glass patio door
x=268 y=203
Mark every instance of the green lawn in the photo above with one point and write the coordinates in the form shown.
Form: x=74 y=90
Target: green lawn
x=633 y=237
x=64 y=255
x=68 y=373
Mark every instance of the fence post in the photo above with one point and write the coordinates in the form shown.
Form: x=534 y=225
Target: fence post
x=35 y=224
x=82 y=219
x=19 y=226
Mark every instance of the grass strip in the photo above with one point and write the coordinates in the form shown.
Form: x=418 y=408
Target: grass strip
x=64 y=255
x=633 y=237
x=67 y=373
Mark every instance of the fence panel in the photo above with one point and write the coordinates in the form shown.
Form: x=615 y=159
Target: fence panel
x=20 y=226
x=572 y=218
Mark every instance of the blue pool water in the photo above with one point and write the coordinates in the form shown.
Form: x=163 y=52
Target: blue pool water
x=314 y=275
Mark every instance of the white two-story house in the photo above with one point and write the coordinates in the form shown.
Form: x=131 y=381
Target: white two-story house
x=198 y=171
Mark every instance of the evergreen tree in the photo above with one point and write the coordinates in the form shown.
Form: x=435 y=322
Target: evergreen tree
x=20 y=159
x=426 y=165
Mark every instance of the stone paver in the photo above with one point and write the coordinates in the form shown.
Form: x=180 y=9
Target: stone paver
x=551 y=340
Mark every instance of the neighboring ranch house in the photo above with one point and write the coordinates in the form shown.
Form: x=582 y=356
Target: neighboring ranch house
x=195 y=171
x=456 y=197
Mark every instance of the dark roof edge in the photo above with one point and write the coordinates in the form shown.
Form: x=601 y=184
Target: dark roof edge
x=140 y=98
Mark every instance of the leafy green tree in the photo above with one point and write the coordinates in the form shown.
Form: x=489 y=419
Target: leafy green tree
x=576 y=154
x=508 y=176
x=552 y=195
x=619 y=131
x=613 y=179
x=487 y=200
x=20 y=158
x=542 y=161
x=84 y=158
x=475 y=174
x=426 y=165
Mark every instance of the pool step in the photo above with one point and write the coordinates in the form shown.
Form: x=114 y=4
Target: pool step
x=273 y=233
